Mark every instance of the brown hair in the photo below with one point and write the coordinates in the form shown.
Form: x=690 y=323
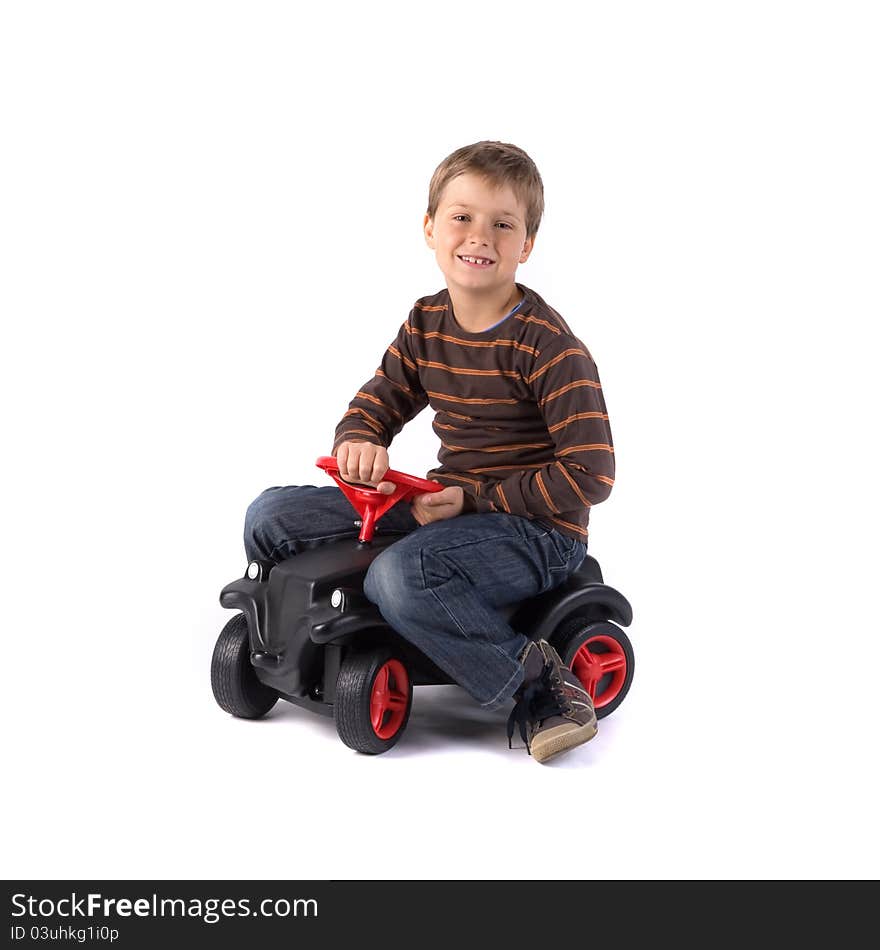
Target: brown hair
x=500 y=164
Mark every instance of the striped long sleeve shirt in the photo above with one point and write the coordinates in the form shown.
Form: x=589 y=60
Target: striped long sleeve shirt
x=519 y=410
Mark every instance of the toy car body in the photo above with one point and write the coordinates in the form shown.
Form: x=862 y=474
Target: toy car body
x=306 y=633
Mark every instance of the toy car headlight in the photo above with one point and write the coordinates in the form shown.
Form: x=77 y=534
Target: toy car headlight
x=254 y=570
x=337 y=599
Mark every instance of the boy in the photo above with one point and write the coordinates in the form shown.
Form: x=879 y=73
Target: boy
x=525 y=452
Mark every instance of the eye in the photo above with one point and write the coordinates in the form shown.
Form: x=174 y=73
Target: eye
x=503 y=224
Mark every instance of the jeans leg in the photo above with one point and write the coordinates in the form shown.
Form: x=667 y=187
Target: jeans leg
x=438 y=587
x=284 y=521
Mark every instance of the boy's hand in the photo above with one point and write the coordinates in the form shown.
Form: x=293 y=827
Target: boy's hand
x=364 y=463
x=435 y=506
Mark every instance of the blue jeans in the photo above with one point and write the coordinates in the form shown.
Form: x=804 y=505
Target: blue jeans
x=438 y=586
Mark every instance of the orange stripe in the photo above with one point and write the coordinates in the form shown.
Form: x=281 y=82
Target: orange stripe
x=367 y=417
x=544 y=323
x=393 y=349
x=437 y=335
x=350 y=432
x=472 y=401
x=578 y=415
x=597 y=447
x=421 y=306
x=400 y=386
x=564 y=355
x=461 y=371
x=378 y=402
x=504 y=503
x=573 y=484
x=564 y=389
x=544 y=494
x=459 y=478
x=506 y=468
x=574 y=527
x=604 y=479
x=499 y=448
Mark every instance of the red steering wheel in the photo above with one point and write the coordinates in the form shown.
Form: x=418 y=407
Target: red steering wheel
x=371 y=504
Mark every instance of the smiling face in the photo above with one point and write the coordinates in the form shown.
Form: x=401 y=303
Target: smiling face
x=479 y=236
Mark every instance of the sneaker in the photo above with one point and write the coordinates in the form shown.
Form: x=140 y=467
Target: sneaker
x=553 y=710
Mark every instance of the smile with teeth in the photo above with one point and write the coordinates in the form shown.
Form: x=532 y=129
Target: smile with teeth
x=479 y=261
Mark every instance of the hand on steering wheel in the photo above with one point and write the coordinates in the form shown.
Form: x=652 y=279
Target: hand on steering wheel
x=370 y=503
x=364 y=464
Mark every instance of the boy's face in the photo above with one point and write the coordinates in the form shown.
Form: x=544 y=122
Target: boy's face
x=475 y=219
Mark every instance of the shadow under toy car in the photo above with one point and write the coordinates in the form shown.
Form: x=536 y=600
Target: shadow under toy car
x=306 y=633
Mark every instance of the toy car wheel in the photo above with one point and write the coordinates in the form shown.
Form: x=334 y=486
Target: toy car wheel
x=373 y=700
x=233 y=680
x=600 y=654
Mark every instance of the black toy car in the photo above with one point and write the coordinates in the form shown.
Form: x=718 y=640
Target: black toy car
x=306 y=633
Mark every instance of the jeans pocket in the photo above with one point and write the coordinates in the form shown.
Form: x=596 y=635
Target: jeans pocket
x=563 y=550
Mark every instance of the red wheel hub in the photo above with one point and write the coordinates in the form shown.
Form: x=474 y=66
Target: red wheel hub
x=389 y=699
x=597 y=658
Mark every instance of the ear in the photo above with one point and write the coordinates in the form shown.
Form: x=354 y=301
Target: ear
x=527 y=249
x=428 y=226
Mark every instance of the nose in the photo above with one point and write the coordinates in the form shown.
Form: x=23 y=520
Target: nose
x=477 y=234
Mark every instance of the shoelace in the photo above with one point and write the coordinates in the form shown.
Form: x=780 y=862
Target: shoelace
x=539 y=700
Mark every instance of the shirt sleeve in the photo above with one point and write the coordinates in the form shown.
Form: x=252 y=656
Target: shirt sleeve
x=394 y=395
x=568 y=392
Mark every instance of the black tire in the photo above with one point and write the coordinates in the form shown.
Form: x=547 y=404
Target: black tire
x=233 y=679
x=598 y=637
x=359 y=675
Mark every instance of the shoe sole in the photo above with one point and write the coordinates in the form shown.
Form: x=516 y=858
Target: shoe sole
x=553 y=742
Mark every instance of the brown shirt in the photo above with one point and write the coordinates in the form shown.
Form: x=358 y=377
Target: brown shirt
x=519 y=410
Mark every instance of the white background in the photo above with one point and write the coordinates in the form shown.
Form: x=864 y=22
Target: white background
x=192 y=195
